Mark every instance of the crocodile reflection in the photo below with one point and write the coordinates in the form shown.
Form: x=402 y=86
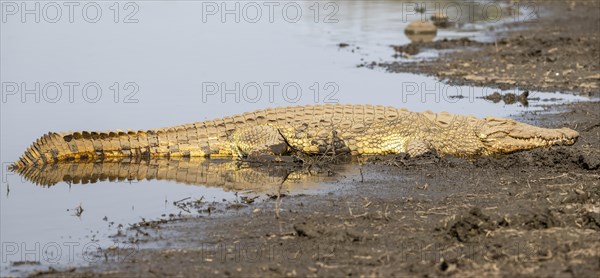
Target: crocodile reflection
x=231 y=175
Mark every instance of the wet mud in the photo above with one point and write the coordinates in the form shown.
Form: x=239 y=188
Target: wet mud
x=557 y=52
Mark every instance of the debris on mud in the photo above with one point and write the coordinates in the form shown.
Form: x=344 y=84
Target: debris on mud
x=415 y=48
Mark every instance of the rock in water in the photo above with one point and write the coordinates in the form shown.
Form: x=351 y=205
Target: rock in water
x=420 y=31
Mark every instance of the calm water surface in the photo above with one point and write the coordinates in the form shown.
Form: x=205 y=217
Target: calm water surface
x=169 y=68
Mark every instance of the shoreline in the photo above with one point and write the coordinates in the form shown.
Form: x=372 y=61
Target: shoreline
x=558 y=53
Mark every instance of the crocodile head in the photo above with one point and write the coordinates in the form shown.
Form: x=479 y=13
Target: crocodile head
x=506 y=136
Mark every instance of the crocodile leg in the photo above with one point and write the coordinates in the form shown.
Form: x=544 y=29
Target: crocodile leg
x=417 y=148
x=258 y=140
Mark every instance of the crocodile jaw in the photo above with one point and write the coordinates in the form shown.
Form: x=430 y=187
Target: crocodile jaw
x=507 y=136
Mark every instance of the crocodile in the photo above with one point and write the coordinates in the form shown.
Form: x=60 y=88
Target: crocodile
x=309 y=130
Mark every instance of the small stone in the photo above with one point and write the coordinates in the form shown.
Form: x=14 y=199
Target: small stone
x=419 y=31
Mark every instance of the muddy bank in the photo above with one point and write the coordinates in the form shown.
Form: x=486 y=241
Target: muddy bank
x=534 y=213
x=557 y=52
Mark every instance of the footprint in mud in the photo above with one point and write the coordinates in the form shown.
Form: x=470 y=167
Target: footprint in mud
x=538 y=219
x=475 y=223
x=471 y=225
x=310 y=229
x=591 y=220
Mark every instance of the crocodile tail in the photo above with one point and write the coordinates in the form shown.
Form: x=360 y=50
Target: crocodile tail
x=39 y=152
x=86 y=146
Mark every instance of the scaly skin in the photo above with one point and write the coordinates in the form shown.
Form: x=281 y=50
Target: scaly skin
x=312 y=129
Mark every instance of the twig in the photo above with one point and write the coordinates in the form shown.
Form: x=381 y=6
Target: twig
x=278 y=202
x=591 y=127
x=362 y=177
x=551 y=178
x=176 y=202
